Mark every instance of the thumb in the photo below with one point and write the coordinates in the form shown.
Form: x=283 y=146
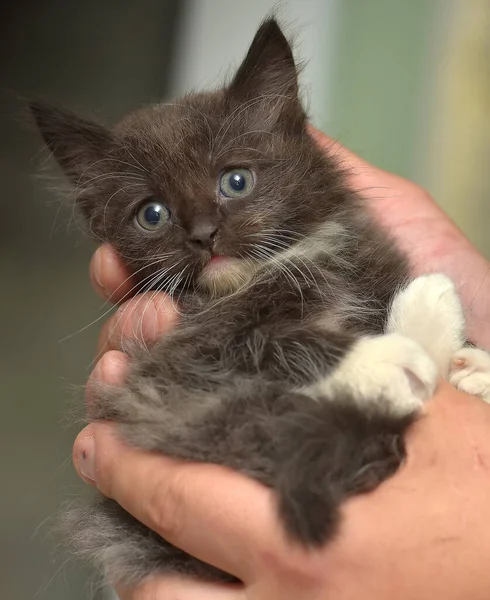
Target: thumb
x=218 y=516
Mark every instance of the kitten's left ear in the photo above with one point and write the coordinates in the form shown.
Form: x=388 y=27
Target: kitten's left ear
x=269 y=72
x=77 y=144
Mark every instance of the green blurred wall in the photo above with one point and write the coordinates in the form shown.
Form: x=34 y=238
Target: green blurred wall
x=380 y=83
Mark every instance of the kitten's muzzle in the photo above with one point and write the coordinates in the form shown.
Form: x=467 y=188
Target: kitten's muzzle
x=203 y=236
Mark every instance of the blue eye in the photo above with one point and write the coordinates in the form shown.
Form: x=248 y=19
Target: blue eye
x=236 y=183
x=152 y=215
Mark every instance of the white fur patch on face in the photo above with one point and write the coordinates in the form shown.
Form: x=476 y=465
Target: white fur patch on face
x=226 y=275
x=328 y=239
x=390 y=370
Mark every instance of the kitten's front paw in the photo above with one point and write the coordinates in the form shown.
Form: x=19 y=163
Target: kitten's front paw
x=470 y=372
x=385 y=369
x=430 y=312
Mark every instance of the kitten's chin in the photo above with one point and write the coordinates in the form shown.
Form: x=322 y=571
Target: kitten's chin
x=224 y=275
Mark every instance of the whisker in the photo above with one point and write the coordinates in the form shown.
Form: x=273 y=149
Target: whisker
x=157 y=259
x=156 y=280
x=110 y=309
x=268 y=256
x=154 y=283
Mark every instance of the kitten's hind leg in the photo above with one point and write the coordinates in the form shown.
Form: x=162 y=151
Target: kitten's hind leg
x=312 y=451
x=124 y=550
x=313 y=448
x=470 y=372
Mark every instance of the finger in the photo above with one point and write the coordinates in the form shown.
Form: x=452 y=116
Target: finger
x=111 y=370
x=110 y=278
x=165 y=588
x=145 y=317
x=221 y=517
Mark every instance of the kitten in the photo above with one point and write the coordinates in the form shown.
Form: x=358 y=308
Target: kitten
x=294 y=361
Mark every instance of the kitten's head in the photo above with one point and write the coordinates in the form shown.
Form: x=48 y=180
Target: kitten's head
x=203 y=191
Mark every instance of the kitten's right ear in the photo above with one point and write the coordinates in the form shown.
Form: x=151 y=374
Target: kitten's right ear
x=268 y=67
x=269 y=74
x=77 y=144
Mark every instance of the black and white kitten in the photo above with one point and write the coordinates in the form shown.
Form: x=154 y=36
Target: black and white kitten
x=303 y=351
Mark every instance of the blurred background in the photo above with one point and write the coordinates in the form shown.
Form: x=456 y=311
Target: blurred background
x=404 y=84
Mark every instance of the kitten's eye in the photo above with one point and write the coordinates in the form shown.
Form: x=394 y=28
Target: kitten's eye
x=152 y=215
x=236 y=183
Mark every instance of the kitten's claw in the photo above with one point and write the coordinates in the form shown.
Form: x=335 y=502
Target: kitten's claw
x=391 y=371
x=470 y=372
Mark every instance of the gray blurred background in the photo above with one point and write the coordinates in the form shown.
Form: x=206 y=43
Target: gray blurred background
x=404 y=84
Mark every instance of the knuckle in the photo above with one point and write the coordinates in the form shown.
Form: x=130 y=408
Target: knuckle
x=111 y=367
x=95 y=269
x=157 y=589
x=104 y=475
x=103 y=366
x=107 y=461
x=166 y=506
x=147 y=591
x=128 y=318
x=118 y=326
x=109 y=370
x=123 y=315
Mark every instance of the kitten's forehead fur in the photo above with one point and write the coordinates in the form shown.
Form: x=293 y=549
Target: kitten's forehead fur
x=177 y=153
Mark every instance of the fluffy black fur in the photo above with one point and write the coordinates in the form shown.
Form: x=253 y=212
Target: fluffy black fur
x=310 y=274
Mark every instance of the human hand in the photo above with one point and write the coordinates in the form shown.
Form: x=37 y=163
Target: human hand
x=422 y=534
x=433 y=244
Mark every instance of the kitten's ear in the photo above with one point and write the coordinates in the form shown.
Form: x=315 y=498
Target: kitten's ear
x=268 y=70
x=77 y=144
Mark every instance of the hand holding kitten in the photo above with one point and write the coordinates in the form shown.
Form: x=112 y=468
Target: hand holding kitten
x=439 y=455
x=423 y=534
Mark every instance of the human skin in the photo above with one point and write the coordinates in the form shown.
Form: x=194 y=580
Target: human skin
x=423 y=534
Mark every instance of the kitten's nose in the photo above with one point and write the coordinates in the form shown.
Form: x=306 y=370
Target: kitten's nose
x=203 y=234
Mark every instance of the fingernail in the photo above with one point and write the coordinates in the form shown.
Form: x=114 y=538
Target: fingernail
x=86 y=458
x=97 y=272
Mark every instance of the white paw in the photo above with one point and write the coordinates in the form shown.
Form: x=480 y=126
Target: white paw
x=429 y=311
x=470 y=372
x=391 y=371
